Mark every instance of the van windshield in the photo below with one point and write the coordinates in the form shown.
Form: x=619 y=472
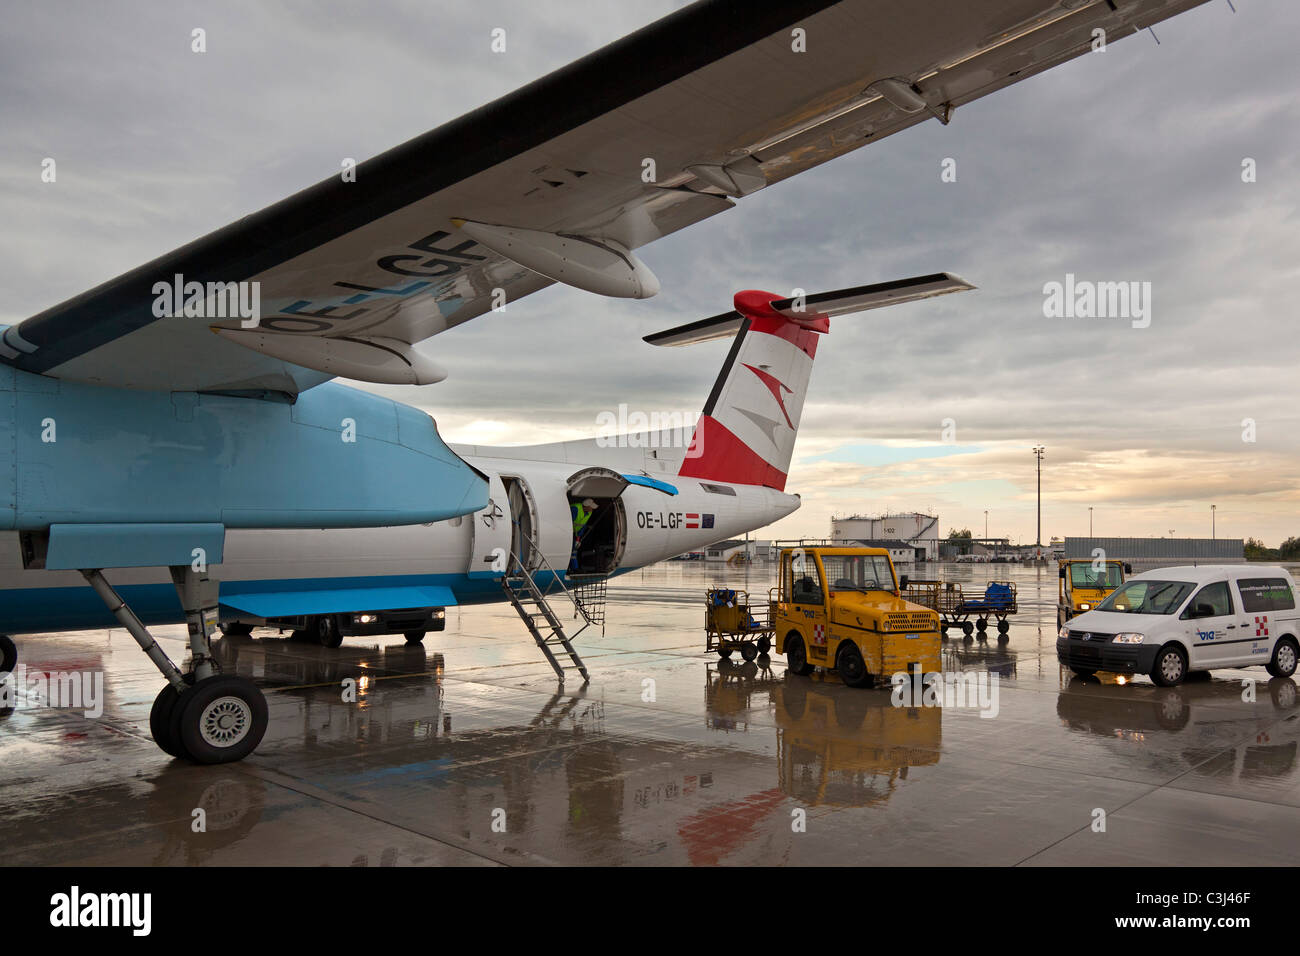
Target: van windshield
x=1147 y=597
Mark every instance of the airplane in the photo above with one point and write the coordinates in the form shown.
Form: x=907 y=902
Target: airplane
x=160 y=420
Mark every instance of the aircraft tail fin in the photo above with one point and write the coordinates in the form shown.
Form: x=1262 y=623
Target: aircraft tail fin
x=747 y=430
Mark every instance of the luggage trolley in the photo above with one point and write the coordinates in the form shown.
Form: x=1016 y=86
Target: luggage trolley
x=955 y=609
x=733 y=623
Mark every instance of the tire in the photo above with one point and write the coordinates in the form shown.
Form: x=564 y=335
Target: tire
x=1004 y=626
x=1283 y=662
x=1170 y=666
x=326 y=630
x=415 y=637
x=764 y=645
x=749 y=651
x=1083 y=672
x=160 y=720
x=967 y=628
x=796 y=656
x=236 y=629
x=8 y=654
x=724 y=653
x=851 y=667
x=220 y=720
x=981 y=624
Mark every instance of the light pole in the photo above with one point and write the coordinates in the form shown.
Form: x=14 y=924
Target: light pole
x=1212 y=534
x=986 y=525
x=1038 y=455
x=1090 y=521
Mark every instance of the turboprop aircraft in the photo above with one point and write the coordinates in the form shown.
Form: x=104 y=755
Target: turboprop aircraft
x=154 y=417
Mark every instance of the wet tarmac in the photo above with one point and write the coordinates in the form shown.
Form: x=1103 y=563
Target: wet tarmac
x=465 y=751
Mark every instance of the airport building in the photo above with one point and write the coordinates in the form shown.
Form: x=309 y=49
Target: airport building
x=1146 y=553
x=913 y=531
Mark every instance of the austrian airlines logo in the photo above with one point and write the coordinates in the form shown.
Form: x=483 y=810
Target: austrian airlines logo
x=775 y=387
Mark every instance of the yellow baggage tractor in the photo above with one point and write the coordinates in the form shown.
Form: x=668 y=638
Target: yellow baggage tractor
x=838 y=608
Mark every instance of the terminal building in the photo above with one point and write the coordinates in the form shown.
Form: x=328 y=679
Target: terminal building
x=1147 y=553
x=911 y=536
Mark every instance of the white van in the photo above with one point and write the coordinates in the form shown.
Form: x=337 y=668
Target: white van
x=1172 y=621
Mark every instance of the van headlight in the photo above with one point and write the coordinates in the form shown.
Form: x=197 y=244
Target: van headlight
x=1064 y=633
x=1129 y=637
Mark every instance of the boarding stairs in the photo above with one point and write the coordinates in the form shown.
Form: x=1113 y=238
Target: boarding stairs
x=532 y=600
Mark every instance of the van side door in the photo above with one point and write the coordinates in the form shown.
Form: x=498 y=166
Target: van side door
x=1263 y=600
x=1211 y=637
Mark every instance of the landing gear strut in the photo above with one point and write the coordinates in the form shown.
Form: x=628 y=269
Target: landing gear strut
x=204 y=715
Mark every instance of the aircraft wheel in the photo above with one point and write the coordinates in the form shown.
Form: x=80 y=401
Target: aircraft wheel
x=415 y=637
x=8 y=654
x=326 y=629
x=160 y=719
x=221 y=719
x=748 y=651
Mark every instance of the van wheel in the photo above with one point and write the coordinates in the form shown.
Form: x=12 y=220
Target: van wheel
x=851 y=667
x=1170 y=667
x=796 y=656
x=1284 y=658
x=1083 y=672
x=415 y=637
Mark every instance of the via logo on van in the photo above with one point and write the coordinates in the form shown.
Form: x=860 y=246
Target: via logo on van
x=1205 y=635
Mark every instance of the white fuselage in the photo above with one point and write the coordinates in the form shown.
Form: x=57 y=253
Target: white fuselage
x=529 y=490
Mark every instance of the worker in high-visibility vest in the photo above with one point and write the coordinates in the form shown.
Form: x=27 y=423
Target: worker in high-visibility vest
x=582 y=512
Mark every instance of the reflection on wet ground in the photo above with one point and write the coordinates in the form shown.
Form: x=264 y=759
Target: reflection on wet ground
x=466 y=752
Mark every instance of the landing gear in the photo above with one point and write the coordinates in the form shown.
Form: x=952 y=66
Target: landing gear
x=8 y=654
x=204 y=715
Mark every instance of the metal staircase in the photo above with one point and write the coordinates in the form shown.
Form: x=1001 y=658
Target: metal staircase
x=530 y=601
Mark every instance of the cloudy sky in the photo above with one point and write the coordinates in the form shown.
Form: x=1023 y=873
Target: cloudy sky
x=1122 y=166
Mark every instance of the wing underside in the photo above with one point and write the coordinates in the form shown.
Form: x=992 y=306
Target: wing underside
x=350 y=275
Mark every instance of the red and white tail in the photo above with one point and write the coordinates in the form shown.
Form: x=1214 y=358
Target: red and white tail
x=747 y=430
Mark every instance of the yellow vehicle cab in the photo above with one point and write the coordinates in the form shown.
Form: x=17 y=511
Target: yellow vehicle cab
x=1084 y=584
x=841 y=608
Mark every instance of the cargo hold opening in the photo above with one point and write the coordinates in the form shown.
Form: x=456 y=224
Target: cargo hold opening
x=599 y=532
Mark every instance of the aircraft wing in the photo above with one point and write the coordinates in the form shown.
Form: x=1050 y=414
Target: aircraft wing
x=559 y=181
